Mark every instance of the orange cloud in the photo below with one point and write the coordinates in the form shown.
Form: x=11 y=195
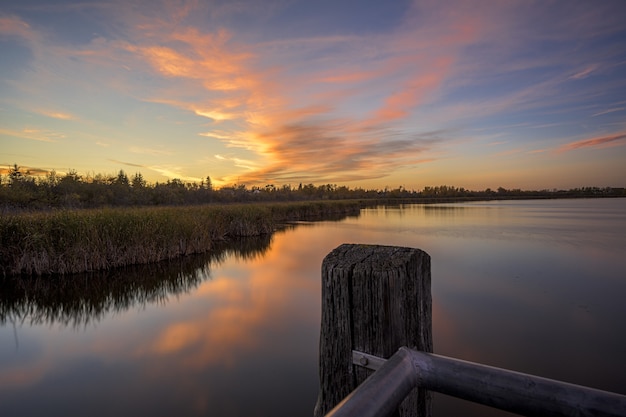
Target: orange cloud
x=57 y=115
x=214 y=114
x=238 y=310
x=167 y=61
x=336 y=151
x=213 y=76
x=34 y=134
x=599 y=142
x=257 y=98
x=320 y=108
x=196 y=55
x=300 y=147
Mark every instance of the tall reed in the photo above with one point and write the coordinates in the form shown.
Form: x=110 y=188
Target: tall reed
x=69 y=241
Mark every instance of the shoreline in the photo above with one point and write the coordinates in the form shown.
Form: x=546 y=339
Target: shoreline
x=69 y=241
x=74 y=241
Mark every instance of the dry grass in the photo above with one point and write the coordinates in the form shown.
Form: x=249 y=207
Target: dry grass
x=71 y=241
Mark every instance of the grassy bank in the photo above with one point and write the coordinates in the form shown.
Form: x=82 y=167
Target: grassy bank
x=71 y=241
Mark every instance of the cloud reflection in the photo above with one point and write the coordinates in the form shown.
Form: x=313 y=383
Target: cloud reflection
x=242 y=307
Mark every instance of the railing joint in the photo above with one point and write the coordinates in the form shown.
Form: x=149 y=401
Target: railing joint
x=367 y=361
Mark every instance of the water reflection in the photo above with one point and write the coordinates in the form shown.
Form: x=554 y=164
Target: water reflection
x=528 y=286
x=243 y=342
x=80 y=299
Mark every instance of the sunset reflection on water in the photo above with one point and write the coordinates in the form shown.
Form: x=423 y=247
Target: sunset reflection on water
x=523 y=285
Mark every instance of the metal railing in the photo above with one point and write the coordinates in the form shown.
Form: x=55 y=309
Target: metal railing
x=516 y=392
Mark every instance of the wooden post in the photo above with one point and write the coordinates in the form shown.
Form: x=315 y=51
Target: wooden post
x=375 y=299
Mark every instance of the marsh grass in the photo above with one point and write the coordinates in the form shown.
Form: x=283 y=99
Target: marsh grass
x=71 y=241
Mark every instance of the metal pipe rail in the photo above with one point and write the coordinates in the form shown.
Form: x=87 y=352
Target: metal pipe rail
x=516 y=392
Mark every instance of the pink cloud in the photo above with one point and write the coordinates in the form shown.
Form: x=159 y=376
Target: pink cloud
x=598 y=142
x=414 y=91
x=13 y=25
x=584 y=73
x=411 y=72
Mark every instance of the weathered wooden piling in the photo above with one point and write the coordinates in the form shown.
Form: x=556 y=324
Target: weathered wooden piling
x=375 y=299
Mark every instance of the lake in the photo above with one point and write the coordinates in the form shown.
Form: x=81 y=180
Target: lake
x=537 y=286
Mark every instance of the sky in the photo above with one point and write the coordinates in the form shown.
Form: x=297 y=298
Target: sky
x=475 y=94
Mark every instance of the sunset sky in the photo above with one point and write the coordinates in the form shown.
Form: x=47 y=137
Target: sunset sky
x=519 y=94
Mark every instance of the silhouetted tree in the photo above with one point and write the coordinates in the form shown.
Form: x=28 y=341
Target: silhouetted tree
x=15 y=175
x=138 y=181
x=122 y=178
x=19 y=189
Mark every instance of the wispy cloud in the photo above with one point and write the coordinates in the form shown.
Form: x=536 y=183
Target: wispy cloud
x=40 y=135
x=608 y=111
x=130 y=164
x=57 y=114
x=315 y=142
x=265 y=102
x=584 y=73
x=337 y=151
x=15 y=26
x=173 y=172
x=329 y=106
x=414 y=90
x=239 y=162
x=618 y=139
x=217 y=134
x=222 y=83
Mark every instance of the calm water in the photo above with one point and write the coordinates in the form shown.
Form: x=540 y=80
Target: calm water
x=534 y=286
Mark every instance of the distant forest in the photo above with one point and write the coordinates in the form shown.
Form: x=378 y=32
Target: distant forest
x=21 y=190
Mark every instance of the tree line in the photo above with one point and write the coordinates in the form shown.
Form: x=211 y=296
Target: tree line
x=21 y=190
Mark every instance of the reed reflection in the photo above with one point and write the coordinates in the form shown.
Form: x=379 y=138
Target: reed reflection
x=80 y=299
